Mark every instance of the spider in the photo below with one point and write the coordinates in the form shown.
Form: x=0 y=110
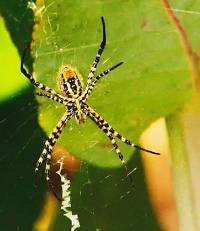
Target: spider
x=74 y=98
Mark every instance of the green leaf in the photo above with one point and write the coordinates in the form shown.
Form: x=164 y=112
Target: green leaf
x=131 y=97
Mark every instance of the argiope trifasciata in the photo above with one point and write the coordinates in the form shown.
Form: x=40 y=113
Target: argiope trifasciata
x=74 y=98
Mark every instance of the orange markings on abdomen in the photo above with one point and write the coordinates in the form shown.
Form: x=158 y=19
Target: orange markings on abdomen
x=69 y=73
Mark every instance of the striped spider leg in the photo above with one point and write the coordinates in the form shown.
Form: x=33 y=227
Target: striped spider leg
x=101 y=123
x=51 y=141
x=53 y=97
x=51 y=94
x=111 y=133
x=74 y=98
x=97 y=78
x=37 y=84
x=96 y=61
x=97 y=58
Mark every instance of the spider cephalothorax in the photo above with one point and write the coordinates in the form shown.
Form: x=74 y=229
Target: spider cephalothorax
x=74 y=98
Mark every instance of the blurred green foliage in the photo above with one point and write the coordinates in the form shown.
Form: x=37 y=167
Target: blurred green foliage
x=10 y=60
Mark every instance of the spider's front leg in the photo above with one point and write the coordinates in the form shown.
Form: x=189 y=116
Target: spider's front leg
x=98 y=56
x=54 y=98
x=33 y=81
x=97 y=78
x=105 y=124
x=90 y=82
x=50 y=142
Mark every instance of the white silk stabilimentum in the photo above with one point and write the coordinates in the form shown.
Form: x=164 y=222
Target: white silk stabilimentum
x=66 y=199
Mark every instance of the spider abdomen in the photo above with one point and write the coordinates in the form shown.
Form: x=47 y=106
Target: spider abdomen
x=69 y=82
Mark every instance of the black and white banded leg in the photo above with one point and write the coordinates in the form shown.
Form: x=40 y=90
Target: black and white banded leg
x=54 y=98
x=120 y=155
x=128 y=142
x=33 y=81
x=50 y=142
x=93 y=117
x=97 y=58
x=97 y=78
x=116 y=134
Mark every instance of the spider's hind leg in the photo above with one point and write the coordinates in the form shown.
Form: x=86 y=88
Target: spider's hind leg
x=121 y=157
x=119 y=136
x=98 y=120
x=41 y=159
x=46 y=154
x=128 y=142
x=50 y=142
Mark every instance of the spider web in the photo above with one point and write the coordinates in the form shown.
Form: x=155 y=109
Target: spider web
x=100 y=192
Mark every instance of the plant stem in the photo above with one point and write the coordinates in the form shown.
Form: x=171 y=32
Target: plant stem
x=184 y=131
x=181 y=173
